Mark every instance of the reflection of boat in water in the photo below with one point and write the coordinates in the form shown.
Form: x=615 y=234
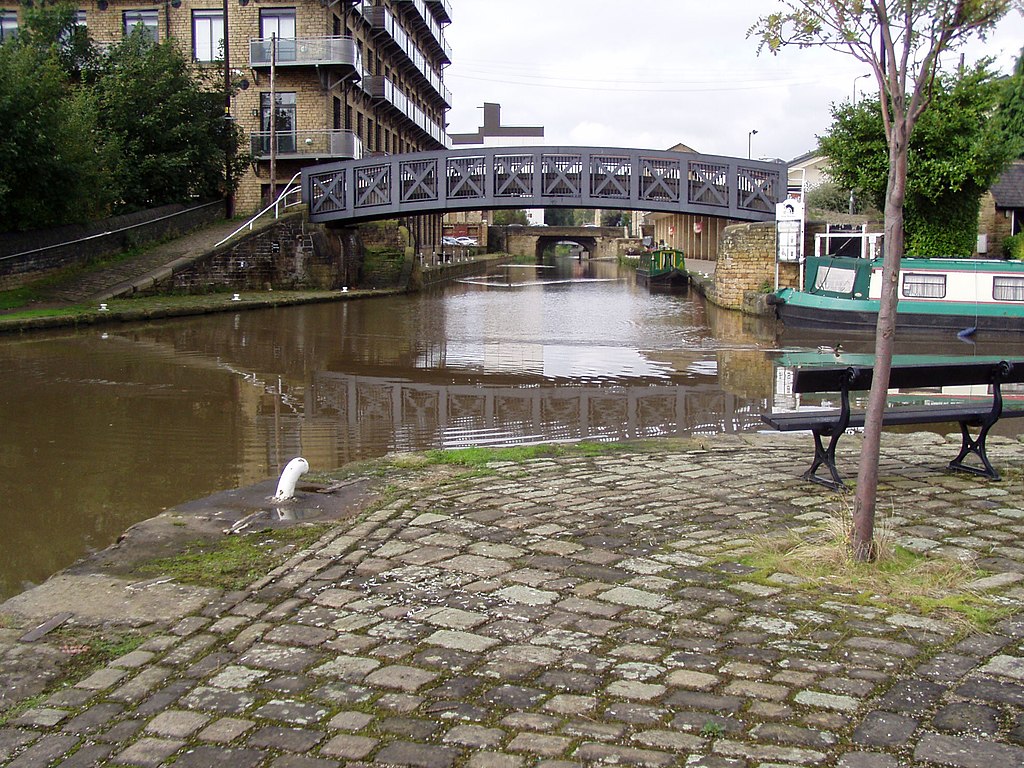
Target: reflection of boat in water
x=956 y=296
x=662 y=268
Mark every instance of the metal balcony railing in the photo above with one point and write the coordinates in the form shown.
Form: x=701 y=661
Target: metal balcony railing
x=381 y=88
x=426 y=18
x=384 y=22
x=442 y=10
x=306 y=51
x=337 y=145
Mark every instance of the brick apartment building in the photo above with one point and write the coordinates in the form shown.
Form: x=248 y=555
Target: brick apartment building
x=349 y=78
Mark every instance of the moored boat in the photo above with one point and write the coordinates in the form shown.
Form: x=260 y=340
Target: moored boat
x=960 y=296
x=662 y=267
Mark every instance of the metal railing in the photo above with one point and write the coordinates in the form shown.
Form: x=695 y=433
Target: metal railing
x=291 y=196
x=306 y=51
x=340 y=144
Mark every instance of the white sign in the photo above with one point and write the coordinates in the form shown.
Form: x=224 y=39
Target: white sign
x=789 y=229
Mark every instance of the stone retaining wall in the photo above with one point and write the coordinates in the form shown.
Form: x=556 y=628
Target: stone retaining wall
x=29 y=256
x=745 y=270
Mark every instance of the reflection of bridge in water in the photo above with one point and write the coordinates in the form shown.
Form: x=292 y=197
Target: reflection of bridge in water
x=425 y=415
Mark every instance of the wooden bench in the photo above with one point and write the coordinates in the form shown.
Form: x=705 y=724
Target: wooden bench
x=979 y=414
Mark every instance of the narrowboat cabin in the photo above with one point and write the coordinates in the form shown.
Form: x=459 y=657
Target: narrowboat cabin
x=662 y=268
x=959 y=296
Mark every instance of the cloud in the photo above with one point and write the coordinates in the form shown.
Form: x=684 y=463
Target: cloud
x=653 y=74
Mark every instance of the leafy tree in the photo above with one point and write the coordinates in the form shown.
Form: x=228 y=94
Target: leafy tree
x=165 y=130
x=955 y=154
x=506 y=217
x=834 y=197
x=615 y=218
x=54 y=26
x=1010 y=118
x=901 y=42
x=559 y=217
x=50 y=172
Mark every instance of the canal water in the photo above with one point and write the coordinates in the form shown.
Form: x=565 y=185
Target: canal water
x=104 y=427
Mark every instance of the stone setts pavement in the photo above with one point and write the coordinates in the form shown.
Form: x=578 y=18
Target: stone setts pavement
x=579 y=610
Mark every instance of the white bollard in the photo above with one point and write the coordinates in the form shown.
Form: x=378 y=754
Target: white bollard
x=293 y=470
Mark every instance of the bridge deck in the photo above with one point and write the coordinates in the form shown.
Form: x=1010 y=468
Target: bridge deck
x=543 y=177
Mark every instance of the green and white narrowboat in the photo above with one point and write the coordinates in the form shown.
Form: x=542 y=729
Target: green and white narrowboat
x=662 y=267
x=947 y=295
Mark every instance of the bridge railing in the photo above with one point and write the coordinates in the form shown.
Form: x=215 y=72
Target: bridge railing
x=543 y=177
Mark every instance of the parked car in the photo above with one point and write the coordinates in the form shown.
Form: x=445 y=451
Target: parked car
x=466 y=241
x=448 y=240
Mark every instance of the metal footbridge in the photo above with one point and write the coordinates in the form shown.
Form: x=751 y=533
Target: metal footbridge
x=392 y=186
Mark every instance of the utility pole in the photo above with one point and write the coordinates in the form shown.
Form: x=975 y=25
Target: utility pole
x=273 y=119
x=229 y=199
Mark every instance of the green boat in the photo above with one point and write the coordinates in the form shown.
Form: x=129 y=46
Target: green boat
x=961 y=296
x=662 y=268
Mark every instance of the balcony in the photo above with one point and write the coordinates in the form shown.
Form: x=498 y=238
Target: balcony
x=384 y=23
x=382 y=89
x=442 y=10
x=307 y=145
x=335 y=52
x=425 y=18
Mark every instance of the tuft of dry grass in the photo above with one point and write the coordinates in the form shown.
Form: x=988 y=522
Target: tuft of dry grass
x=898 y=580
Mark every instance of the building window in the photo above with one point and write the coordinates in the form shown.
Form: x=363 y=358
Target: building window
x=148 y=20
x=279 y=23
x=208 y=35
x=284 y=123
x=1008 y=288
x=8 y=25
x=917 y=285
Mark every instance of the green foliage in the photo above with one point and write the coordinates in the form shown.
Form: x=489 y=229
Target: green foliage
x=830 y=196
x=165 y=133
x=49 y=170
x=235 y=561
x=1010 y=117
x=89 y=133
x=947 y=226
x=956 y=152
x=1014 y=246
x=506 y=217
x=477 y=457
x=615 y=218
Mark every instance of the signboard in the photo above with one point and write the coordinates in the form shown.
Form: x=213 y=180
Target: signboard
x=789 y=228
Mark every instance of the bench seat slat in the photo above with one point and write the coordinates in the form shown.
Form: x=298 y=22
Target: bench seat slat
x=801 y=420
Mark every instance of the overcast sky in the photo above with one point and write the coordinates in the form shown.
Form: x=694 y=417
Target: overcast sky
x=655 y=73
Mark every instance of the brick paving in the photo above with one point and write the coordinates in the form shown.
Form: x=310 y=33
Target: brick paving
x=579 y=611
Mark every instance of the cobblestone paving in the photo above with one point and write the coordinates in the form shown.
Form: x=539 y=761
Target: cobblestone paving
x=577 y=611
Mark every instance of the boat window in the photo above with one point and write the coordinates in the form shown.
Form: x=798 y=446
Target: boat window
x=835 y=280
x=1008 y=288
x=917 y=285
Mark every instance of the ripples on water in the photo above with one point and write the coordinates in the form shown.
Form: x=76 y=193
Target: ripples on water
x=103 y=428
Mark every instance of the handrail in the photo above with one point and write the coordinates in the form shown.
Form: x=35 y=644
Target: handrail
x=277 y=205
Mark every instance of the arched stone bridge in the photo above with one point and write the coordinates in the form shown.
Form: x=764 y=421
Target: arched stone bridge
x=480 y=178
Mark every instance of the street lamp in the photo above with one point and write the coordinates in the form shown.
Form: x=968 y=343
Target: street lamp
x=859 y=77
x=750 y=136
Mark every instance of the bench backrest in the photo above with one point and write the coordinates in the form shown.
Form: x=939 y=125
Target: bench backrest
x=858 y=378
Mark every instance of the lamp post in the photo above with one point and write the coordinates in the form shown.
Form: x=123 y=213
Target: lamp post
x=750 y=137
x=859 y=77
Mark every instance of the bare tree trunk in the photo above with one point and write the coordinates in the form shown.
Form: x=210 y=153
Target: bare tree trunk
x=862 y=535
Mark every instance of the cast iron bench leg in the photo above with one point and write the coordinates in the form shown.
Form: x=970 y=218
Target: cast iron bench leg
x=826 y=456
x=977 y=447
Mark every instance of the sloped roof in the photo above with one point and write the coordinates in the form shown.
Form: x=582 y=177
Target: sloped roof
x=1009 y=190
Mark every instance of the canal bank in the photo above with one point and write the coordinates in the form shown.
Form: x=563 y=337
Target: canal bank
x=588 y=606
